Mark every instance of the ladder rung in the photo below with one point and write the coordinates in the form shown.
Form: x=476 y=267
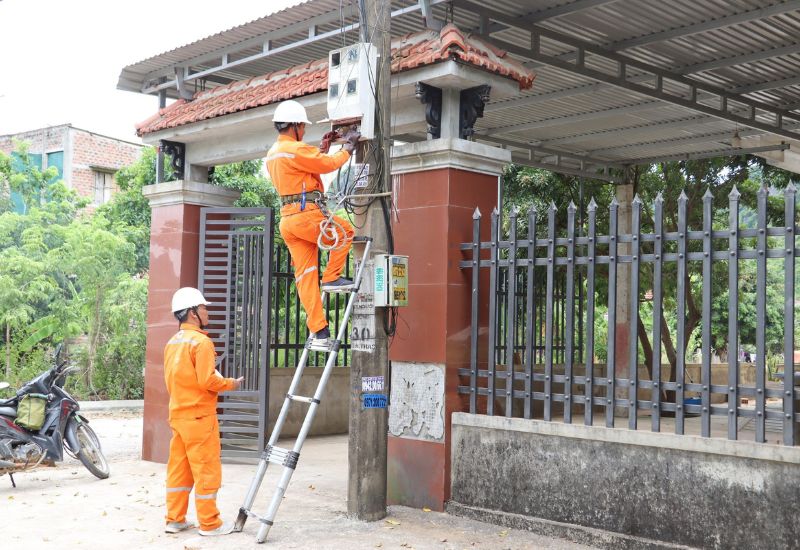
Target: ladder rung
x=281 y=457
x=332 y=345
x=341 y=290
x=302 y=399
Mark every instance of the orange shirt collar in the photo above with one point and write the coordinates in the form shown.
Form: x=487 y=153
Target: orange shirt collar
x=286 y=137
x=189 y=326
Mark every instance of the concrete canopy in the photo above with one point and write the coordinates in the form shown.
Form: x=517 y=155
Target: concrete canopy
x=618 y=81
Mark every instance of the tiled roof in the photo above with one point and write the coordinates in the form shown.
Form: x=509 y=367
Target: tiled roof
x=408 y=52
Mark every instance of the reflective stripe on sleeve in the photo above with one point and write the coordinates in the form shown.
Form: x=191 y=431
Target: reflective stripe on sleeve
x=274 y=156
x=183 y=341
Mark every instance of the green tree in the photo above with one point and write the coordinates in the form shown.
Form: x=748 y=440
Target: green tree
x=24 y=284
x=98 y=260
x=246 y=177
x=5 y=179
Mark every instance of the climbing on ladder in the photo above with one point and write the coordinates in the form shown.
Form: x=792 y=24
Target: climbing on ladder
x=285 y=457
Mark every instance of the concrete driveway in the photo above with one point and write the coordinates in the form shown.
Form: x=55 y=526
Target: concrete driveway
x=65 y=507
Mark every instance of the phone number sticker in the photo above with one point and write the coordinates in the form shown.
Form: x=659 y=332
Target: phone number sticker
x=375 y=401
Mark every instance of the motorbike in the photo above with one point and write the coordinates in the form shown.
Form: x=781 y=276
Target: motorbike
x=64 y=428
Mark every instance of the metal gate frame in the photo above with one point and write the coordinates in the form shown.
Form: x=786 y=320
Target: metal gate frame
x=235 y=274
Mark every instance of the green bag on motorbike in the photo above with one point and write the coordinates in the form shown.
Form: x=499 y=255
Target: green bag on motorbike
x=30 y=411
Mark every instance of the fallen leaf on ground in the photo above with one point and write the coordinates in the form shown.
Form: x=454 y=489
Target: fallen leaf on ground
x=426 y=509
x=311 y=487
x=503 y=533
x=392 y=522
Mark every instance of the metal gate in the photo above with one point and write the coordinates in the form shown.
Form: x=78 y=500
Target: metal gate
x=235 y=273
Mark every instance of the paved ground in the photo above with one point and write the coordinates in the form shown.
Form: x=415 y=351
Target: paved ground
x=67 y=508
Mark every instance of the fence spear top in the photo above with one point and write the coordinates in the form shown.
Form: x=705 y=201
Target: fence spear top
x=495 y=211
x=763 y=189
x=790 y=189
x=734 y=194
x=660 y=197
x=708 y=194
x=477 y=214
x=514 y=211
x=614 y=203
x=553 y=206
x=683 y=197
x=571 y=207
x=636 y=199
x=532 y=210
x=592 y=204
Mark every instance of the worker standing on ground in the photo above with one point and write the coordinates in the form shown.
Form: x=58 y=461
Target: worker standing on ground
x=295 y=170
x=194 y=451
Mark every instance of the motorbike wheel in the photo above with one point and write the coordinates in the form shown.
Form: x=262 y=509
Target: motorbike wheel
x=89 y=451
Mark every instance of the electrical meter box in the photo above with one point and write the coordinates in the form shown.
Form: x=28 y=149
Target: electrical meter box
x=351 y=87
x=391 y=280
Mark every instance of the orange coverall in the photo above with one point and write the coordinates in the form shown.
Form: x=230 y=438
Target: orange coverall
x=294 y=167
x=194 y=451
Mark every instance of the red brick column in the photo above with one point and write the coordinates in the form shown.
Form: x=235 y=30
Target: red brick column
x=174 y=243
x=438 y=185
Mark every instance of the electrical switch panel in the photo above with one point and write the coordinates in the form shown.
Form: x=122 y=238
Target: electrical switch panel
x=351 y=87
x=391 y=280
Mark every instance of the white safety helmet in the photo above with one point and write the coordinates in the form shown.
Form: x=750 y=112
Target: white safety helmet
x=290 y=111
x=187 y=297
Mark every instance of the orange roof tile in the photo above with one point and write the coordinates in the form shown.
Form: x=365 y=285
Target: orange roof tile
x=408 y=52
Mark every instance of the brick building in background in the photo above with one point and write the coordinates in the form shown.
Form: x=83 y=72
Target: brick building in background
x=86 y=161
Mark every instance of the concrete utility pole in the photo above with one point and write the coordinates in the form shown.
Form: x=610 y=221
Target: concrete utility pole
x=366 y=490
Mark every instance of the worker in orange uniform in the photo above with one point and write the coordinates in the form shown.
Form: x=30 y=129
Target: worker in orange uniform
x=194 y=451
x=295 y=170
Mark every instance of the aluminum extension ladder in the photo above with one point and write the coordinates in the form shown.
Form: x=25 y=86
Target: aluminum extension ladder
x=285 y=457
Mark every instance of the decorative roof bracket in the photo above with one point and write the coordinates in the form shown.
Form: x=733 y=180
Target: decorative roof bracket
x=473 y=101
x=177 y=153
x=431 y=96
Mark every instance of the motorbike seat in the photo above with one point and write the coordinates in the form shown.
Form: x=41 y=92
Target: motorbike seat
x=8 y=411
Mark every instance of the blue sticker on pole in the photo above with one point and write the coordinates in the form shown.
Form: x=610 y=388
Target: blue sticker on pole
x=375 y=401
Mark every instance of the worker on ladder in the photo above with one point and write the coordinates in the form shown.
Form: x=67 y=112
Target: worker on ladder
x=194 y=451
x=295 y=169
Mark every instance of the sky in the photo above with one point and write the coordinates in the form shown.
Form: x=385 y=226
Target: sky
x=61 y=59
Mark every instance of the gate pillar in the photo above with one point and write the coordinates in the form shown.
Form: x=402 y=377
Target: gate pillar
x=174 y=252
x=437 y=184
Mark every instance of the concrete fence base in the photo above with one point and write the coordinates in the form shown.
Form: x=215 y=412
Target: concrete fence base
x=685 y=490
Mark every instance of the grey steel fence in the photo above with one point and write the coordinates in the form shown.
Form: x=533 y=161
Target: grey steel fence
x=510 y=374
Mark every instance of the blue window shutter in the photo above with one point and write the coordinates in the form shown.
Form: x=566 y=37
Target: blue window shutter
x=56 y=159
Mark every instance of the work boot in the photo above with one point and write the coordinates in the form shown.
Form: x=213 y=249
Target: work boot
x=224 y=529
x=321 y=339
x=177 y=526
x=339 y=285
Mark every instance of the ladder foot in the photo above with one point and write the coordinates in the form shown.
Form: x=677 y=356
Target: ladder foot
x=241 y=519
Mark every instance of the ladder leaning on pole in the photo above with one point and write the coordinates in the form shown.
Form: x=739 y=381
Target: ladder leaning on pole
x=285 y=457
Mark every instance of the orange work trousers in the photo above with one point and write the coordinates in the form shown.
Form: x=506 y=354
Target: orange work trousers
x=194 y=461
x=300 y=232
